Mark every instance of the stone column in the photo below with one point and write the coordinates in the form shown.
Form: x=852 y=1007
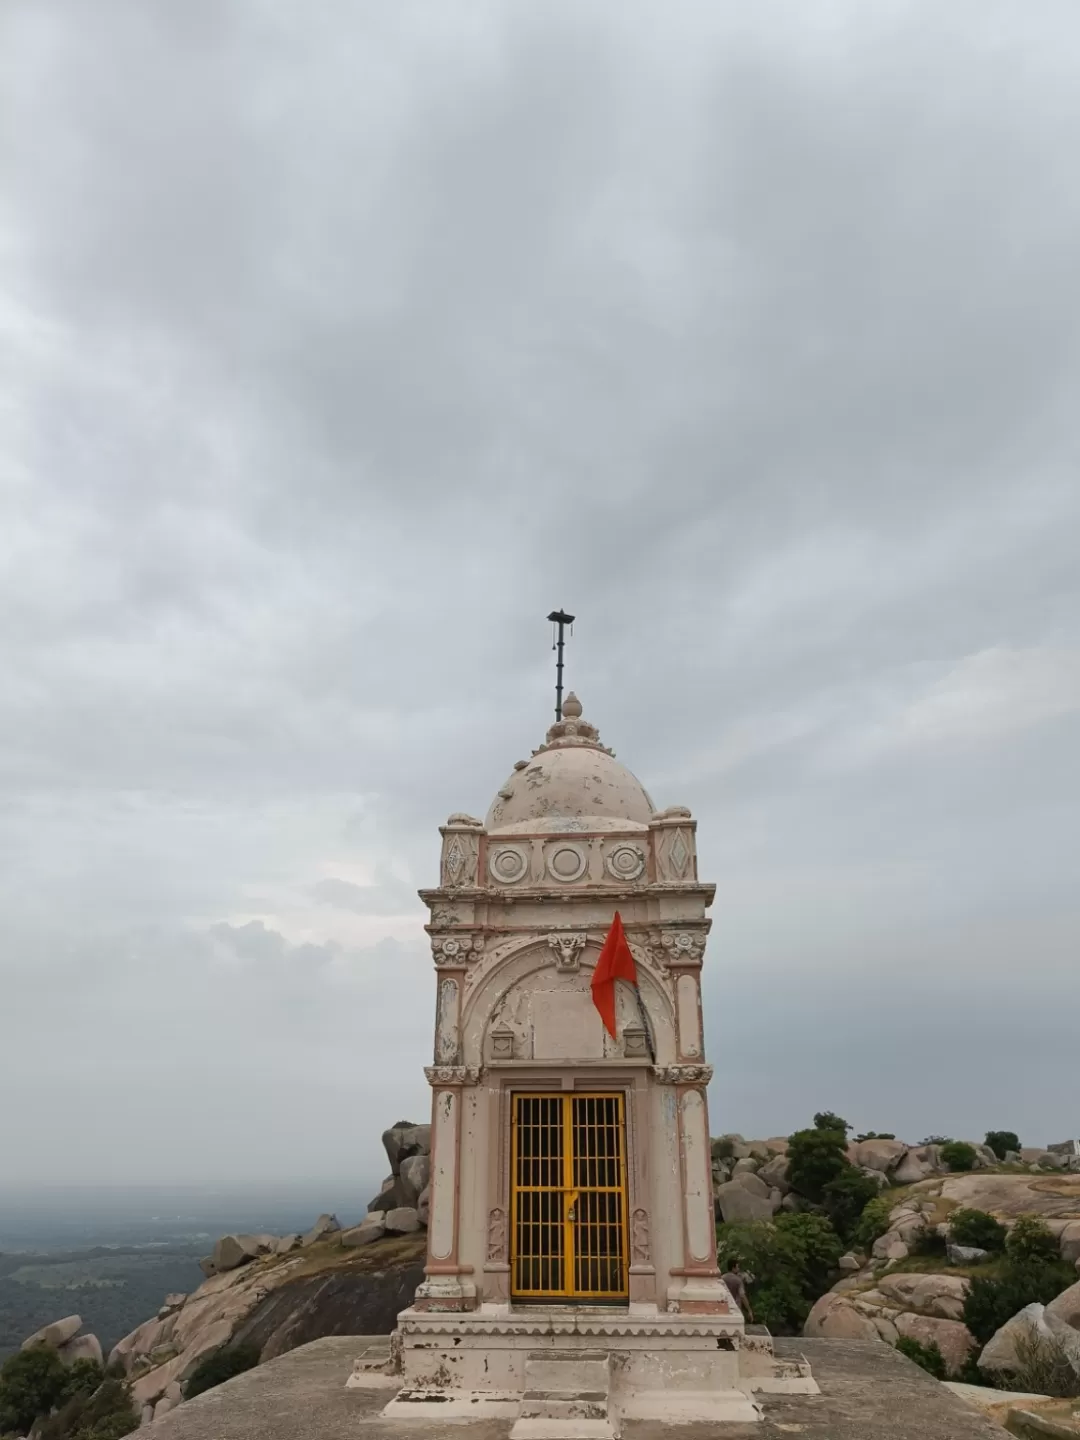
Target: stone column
x=447 y=1286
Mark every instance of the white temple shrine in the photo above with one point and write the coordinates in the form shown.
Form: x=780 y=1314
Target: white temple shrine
x=571 y=1276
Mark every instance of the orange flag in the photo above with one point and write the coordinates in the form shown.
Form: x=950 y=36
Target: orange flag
x=615 y=963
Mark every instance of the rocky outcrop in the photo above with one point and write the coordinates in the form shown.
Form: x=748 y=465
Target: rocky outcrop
x=1039 y=1323
x=408 y=1149
x=64 y=1337
x=922 y=1307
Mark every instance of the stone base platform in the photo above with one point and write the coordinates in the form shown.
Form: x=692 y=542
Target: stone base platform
x=548 y=1366
x=868 y=1392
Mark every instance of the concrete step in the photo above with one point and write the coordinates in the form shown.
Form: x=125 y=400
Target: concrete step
x=567 y=1397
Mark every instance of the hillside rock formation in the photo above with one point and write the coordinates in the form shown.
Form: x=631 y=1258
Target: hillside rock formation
x=63 y=1336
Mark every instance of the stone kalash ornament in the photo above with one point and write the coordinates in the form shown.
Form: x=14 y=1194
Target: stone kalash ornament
x=571 y=1239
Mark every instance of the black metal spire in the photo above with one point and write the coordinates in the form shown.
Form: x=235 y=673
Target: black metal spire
x=560 y=619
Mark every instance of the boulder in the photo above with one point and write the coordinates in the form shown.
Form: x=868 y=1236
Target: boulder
x=938 y=1295
x=1067 y=1306
x=324 y=1227
x=163 y=1406
x=749 y=1181
x=890 y=1247
x=370 y=1229
x=775 y=1200
x=146 y=1414
x=738 y=1202
x=415 y=1175
x=284 y=1243
x=918 y=1164
x=1050 y=1160
x=54 y=1335
x=954 y=1340
x=775 y=1174
x=835 y=1318
x=749 y=1166
x=880 y=1155
x=1069 y=1240
x=1000 y=1354
x=207 y=1266
x=391 y=1194
x=880 y=1179
x=423 y=1206
x=966 y=1254
x=81 y=1347
x=402 y=1221
x=232 y=1251
x=405 y=1139
x=849 y=1263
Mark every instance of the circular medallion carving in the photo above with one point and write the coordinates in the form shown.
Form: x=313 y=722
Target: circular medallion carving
x=508 y=864
x=566 y=862
x=625 y=862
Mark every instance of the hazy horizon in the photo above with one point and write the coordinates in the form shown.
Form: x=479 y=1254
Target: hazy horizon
x=341 y=345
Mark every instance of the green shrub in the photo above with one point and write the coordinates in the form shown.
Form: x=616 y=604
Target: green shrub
x=222 y=1365
x=1030 y=1242
x=723 y=1149
x=993 y=1299
x=814 y=1158
x=875 y=1135
x=31 y=1383
x=846 y=1197
x=976 y=1227
x=104 y=1414
x=873 y=1222
x=928 y=1356
x=826 y=1120
x=1002 y=1141
x=959 y=1155
x=791 y=1260
x=937 y=1140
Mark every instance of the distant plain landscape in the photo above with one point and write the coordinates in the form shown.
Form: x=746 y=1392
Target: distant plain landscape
x=112 y=1255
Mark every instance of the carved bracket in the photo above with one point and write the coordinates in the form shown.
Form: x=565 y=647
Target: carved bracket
x=683 y=1074
x=567 y=947
x=454 y=950
x=452 y=1074
x=682 y=945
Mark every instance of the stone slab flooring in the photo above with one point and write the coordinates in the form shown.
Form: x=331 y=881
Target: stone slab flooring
x=869 y=1392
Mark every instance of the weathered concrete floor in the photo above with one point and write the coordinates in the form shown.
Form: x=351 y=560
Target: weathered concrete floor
x=869 y=1392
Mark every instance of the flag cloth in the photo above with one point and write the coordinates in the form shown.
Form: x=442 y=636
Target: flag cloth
x=615 y=963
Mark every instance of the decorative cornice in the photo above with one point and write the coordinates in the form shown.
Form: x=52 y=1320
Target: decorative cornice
x=683 y=1074
x=452 y=1074
x=669 y=1325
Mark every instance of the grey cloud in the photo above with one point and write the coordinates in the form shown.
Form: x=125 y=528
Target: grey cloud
x=337 y=351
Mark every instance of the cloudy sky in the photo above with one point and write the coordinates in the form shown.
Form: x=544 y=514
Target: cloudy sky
x=338 y=344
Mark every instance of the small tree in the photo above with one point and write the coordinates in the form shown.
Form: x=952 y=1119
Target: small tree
x=1002 y=1141
x=959 y=1155
x=976 y=1227
x=814 y=1158
x=1031 y=1242
x=31 y=1383
x=827 y=1120
x=873 y=1222
x=846 y=1197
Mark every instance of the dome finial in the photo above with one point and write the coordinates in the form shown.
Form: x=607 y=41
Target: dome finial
x=571 y=707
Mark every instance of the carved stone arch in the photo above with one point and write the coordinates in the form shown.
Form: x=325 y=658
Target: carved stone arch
x=541 y=1011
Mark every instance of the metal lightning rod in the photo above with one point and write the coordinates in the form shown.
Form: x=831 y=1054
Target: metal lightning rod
x=560 y=619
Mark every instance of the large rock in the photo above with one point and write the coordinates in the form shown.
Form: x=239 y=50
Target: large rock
x=81 y=1347
x=1001 y=1355
x=370 y=1229
x=54 y=1335
x=284 y=1243
x=402 y=1221
x=835 y=1318
x=736 y=1201
x=414 y=1176
x=1009 y=1196
x=324 y=1227
x=1067 y=1306
x=966 y=1254
x=774 y=1173
x=955 y=1341
x=751 y=1182
x=231 y=1251
x=405 y=1139
x=937 y=1295
x=391 y=1194
x=880 y=1155
x=918 y=1164
x=423 y=1206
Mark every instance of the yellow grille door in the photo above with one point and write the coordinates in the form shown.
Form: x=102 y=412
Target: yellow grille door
x=569 y=1197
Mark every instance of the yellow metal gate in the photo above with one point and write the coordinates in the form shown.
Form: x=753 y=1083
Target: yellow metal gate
x=568 y=1200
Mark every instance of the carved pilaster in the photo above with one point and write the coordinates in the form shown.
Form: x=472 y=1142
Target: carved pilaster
x=460 y=852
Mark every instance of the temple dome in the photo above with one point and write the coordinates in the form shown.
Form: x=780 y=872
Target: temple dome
x=571 y=783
